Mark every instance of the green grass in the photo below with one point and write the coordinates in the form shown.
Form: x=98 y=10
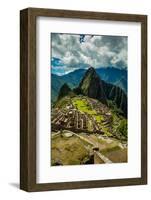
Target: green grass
x=62 y=103
x=83 y=106
x=99 y=118
x=106 y=131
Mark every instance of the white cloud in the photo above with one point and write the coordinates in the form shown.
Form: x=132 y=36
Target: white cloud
x=96 y=51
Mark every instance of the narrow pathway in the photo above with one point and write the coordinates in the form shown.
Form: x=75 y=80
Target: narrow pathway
x=102 y=157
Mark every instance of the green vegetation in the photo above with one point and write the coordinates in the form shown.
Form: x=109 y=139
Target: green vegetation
x=83 y=106
x=86 y=83
x=117 y=123
x=122 y=128
x=62 y=103
x=113 y=125
x=106 y=131
x=114 y=108
x=99 y=118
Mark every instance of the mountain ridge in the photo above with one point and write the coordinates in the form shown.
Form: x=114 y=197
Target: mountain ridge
x=111 y=75
x=92 y=86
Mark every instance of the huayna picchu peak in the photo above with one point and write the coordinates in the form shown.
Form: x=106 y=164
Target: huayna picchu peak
x=92 y=86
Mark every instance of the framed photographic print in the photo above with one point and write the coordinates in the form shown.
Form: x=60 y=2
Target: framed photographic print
x=83 y=92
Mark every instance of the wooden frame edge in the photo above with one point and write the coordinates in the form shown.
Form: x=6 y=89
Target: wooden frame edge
x=24 y=182
x=27 y=100
x=144 y=99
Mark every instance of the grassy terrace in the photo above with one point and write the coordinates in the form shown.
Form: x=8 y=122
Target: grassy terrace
x=62 y=103
x=83 y=106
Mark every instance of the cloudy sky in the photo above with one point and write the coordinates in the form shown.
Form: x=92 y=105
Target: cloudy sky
x=70 y=52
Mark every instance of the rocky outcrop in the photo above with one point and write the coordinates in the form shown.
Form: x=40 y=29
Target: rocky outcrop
x=92 y=86
x=64 y=91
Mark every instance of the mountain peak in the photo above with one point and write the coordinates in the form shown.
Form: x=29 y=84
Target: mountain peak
x=91 y=69
x=64 y=90
x=91 y=86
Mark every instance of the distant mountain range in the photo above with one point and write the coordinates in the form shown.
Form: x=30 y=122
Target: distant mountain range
x=117 y=77
x=92 y=86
